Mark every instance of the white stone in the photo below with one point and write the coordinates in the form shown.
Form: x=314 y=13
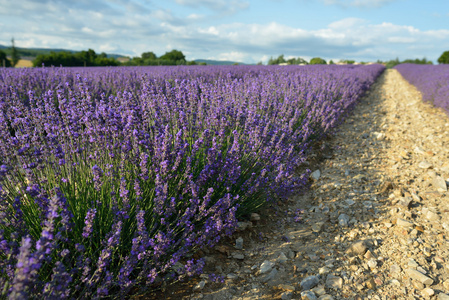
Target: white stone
x=316 y=174
x=266 y=266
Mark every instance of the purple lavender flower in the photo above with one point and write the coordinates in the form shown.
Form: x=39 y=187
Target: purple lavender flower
x=88 y=221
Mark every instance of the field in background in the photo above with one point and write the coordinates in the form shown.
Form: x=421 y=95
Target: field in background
x=24 y=63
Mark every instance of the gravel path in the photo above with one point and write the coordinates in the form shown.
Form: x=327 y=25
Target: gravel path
x=375 y=222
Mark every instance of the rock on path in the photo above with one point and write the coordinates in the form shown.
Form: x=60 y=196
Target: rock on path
x=376 y=219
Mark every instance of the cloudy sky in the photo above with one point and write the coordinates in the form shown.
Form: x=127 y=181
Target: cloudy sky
x=240 y=30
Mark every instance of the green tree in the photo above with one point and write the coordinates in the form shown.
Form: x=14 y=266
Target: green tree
x=444 y=58
x=277 y=61
x=14 y=54
x=317 y=61
x=4 y=61
x=174 y=56
x=331 y=62
x=149 y=55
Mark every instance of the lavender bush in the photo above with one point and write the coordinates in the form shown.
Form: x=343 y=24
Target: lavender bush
x=110 y=178
x=431 y=81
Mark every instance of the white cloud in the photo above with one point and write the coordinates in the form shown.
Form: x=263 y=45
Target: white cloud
x=222 y=6
x=358 y=3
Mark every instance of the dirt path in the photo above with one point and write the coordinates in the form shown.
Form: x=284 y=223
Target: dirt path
x=376 y=219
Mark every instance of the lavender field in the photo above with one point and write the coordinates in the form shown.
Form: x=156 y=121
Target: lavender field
x=430 y=80
x=110 y=178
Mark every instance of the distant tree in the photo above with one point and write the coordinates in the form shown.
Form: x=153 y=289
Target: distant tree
x=317 y=61
x=173 y=55
x=149 y=55
x=259 y=63
x=277 y=61
x=394 y=62
x=331 y=62
x=4 y=61
x=68 y=59
x=444 y=58
x=417 y=61
x=14 y=54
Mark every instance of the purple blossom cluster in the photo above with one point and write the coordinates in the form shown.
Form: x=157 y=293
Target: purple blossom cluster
x=431 y=80
x=110 y=178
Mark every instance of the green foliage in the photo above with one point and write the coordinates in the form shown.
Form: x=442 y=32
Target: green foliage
x=331 y=62
x=444 y=58
x=172 y=58
x=149 y=55
x=277 y=61
x=79 y=59
x=282 y=60
x=347 y=61
x=175 y=56
x=4 y=61
x=392 y=63
x=14 y=54
x=317 y=61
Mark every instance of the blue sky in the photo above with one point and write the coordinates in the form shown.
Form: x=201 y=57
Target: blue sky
x=240 y=30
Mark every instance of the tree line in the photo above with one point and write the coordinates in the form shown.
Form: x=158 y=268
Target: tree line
x=171 y=58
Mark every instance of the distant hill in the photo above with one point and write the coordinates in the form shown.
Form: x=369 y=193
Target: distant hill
x=218 y=62
x=33 y=52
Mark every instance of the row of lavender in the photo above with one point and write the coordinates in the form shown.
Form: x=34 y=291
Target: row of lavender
x=431 y=80
x=110 y=178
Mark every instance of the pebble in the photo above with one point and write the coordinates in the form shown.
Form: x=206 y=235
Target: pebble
x=372 y=263
x=428 y=292
x=319 y=290
x=270 y=276
x=237 y=255
x=200 y=285
x=357 y=248
x=239 y=243
x=308 y=295
x=242 y=226
x=287 y=287
x=282 y=258
x=316 y=174
x=334 y=282
x=442 y=296
x=413 y=264
x=370 y=284
x=404 y=223
x=425 y=165
x=343 y=220
x=412 y=273
x=395 y=269
x=286 y=295
x=309 y=282
x=266 y=266
x=440 y=184
x=405 y=202
x=317 y=227
x=326 y=297
x=255 y=217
